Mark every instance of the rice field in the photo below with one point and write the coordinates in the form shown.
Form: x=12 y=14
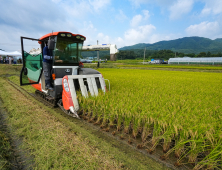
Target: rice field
x=180 y=111
x=194 y=67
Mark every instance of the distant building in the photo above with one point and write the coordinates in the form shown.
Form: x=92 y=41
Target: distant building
x=157 y=61
x=202 y=60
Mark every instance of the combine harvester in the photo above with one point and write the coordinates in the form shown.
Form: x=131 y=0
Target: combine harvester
x=68 y=74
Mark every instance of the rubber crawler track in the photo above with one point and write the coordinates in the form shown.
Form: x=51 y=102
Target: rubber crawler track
x=43 y=98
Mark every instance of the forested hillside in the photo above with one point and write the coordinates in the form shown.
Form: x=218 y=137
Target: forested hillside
x=184 y=45
x=164 y=54
x=187 y=46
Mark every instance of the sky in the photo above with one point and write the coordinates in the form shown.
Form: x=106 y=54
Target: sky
x=120 y=22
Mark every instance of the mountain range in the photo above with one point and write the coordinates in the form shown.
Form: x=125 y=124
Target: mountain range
x=183 y=45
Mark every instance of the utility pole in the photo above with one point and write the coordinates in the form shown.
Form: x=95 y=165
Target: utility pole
x=144 y=54
x=98 y=51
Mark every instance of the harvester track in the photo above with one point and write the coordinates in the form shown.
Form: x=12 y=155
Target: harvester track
x=43 y=98
x=45 y=102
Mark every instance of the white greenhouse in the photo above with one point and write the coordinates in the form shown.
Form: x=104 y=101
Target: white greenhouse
x=202 y=60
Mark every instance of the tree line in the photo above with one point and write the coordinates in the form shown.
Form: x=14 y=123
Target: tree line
x=163 y=54
x=149 y=54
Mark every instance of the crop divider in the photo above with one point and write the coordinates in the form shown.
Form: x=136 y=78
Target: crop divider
x=92 y=85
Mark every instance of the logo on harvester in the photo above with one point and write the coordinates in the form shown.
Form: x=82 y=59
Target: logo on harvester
x=67 y=70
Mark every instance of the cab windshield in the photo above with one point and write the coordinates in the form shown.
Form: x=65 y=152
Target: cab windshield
x=67 y=51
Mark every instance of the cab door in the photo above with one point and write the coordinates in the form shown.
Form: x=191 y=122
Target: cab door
x=32 y=61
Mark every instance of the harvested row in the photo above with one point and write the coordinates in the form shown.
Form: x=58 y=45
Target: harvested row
x=179 y=110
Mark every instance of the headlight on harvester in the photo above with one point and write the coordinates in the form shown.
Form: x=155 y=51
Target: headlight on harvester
x=65 y=84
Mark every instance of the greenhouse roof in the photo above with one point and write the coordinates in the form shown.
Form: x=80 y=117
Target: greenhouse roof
x=202 y=59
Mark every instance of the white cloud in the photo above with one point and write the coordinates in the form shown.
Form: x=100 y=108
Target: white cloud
x=89 y=31
x=146 y=14
x=205 y=29
x=103 y=39
x=138 y=35
x=205 y=11
x=81 y=8
x=137 y=3
x=56 y=1
x=12 y=42
x=99 y=4
x=121 y=16
x=120 y=42
x=180 y=8
x=212 y=7
x=162 y=3
x=19 y=19
x=136 y=20
x=162 y=37
x=77 y=9
x=142 y=34
x=177 y=8
x=88 y=26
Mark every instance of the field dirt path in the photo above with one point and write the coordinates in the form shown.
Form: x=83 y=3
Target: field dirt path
x=17 y=159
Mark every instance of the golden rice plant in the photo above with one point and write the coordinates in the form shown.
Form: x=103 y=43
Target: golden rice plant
x=162 y=107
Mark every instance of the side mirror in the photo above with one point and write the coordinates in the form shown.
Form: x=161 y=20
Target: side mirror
x=51 y=44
